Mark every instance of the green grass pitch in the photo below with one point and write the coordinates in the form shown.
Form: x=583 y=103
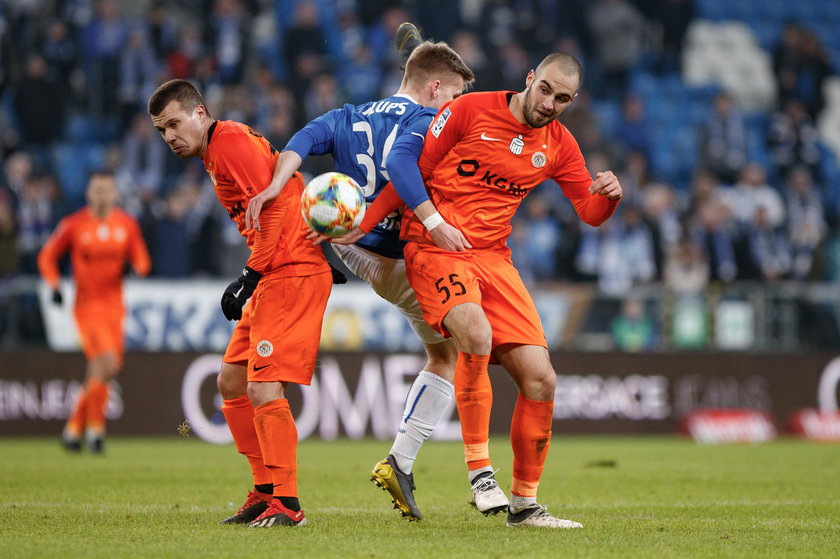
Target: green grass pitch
x=636 y=496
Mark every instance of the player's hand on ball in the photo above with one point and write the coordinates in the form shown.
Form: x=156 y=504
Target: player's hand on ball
x=238 y=292
x=56 y=297
x=606 y=184
x=348 y=238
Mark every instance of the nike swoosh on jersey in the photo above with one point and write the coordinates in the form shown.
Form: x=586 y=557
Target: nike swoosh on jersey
x=260 y=368
x=489 y=139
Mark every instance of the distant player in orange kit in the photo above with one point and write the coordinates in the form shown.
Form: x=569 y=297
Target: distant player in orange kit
x=100 y=238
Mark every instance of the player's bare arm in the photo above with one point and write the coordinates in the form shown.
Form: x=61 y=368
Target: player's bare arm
x=606 y=184
x=287 y=163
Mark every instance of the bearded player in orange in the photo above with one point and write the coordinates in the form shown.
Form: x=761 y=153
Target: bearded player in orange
x=484 y=153
x=101 y=239
x=287 y=280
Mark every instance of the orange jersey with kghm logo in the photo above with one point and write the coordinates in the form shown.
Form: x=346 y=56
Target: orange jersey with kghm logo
x=99 y=249
x=479 y=163
x=240 y=163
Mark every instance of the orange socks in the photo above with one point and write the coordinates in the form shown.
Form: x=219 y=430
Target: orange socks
x=97 y=398
x=474 y=397
x=239 y=414
x=530 y=435
x=75 y=426
x=278 y=438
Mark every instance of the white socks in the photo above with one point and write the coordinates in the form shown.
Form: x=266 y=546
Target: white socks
x=518 y=503
x=472 y=474
x=427 y=400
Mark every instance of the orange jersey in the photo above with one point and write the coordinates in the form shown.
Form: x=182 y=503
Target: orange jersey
x=240 y=163
x=99 y=249
x=479 y=163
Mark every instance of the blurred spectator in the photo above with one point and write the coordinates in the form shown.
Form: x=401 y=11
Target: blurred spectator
x=686 y=269
x=512 y=63
x=468 y=45
x=626 y=254
x=170 y=248
x=801 y=65
x=634 y=177
x=304 y=36
x=17 y=169
x=541 y=236
x=673 y=17
x=163 y=29
x=659 y=204
x=360 y=77
x=189 y=49
x=35 y=218
x=807 y=227
x=752 y=192
x=793 y=139
x=632 y=132
x=582 y=122
x=140 y=173
x=8 y=237
x=40 y=109
x=618 y=35
x=768 y=247
x=713 y=230
x=62 y=55
x=138 y=75
x=439 y=19
x=633 y=329
x=103 y=40
x=229 y=36
x=723 y=140
x=705 y=187
x=323 y=95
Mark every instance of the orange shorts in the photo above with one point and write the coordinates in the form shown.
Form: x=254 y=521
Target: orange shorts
x=100 y=330
x=443 y=279
x=280 y=330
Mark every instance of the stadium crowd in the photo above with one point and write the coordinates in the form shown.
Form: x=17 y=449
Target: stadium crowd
x=755 y=196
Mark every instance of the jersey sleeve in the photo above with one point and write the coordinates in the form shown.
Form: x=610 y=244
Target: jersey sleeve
x=447 y=128
x=317 y=137
x=386 y=202
x=573 y=177
x=138 y=252
x=56 y=246
x=402 y=166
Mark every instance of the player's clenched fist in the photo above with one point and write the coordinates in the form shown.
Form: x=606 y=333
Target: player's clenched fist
x=239 y=290
x=606 y=184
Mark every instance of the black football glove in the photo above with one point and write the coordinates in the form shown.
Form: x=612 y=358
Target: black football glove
x=337 y=276
x=57 y=298
x=234 y=297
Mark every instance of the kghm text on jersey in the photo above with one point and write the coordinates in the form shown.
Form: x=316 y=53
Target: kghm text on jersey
x=470 y=167
x=385 y=106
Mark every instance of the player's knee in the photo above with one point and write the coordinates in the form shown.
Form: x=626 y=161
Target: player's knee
x=545 y=383
x=231 y=382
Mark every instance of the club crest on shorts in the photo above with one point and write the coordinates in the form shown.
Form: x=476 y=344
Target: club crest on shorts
x=538 y=159
x=264 y=348
x=516 y=145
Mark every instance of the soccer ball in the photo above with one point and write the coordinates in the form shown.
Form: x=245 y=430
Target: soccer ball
x=332 y=204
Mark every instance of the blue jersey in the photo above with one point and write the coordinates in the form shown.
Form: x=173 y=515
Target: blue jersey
x=359 y=139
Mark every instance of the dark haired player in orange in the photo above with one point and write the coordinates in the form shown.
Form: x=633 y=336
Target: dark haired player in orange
x=100 y=239
x=484 y=153
x=287 y=280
